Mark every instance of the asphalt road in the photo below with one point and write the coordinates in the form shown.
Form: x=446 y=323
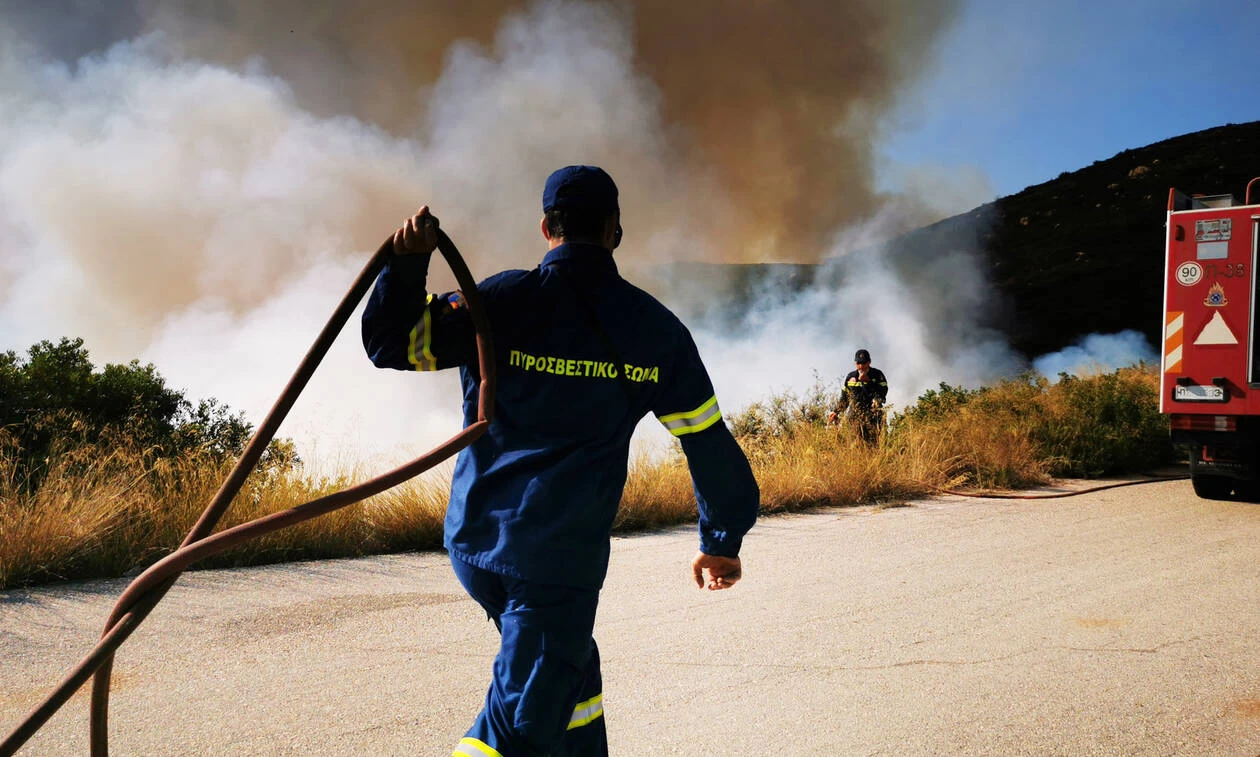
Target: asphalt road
x=1121 y=622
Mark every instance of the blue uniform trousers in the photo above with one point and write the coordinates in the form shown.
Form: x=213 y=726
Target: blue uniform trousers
x=546 y=697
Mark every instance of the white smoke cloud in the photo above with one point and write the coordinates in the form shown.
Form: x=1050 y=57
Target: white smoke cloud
x=920 y=329
x=196 y=216
x=1097 y=353
x=141 y=185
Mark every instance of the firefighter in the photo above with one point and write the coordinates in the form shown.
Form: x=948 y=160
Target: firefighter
x=865 y=391
x=582 y=355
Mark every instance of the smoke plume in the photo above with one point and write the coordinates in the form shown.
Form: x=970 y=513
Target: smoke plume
x=774 y=107
x=1097 y=353
x=196 y=183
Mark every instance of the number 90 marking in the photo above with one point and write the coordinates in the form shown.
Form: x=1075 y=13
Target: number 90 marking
x=1189 y=274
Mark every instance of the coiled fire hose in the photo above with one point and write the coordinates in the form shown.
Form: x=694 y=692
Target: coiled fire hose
x=139 y=599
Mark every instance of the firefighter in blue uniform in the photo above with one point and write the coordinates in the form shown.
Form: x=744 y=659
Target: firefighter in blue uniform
x=582 y=355
x=865 y=392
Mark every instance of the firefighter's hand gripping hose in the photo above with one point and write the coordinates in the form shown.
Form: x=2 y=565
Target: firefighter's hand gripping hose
x=139 y=599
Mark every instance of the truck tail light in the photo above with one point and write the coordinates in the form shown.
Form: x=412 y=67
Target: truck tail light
x=1184 y=422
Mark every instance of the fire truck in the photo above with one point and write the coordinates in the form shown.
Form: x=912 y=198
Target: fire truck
x=1210 y=383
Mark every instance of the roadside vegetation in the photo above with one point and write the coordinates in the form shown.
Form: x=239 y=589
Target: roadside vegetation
x=104 y=472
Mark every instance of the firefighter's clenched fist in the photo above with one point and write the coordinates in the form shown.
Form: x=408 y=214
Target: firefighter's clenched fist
x=723 y=571
x=418 y=235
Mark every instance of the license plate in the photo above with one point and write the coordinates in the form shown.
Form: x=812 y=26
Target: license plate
x=1199 y=393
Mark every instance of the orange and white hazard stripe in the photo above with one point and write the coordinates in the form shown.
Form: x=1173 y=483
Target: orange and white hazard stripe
x=1174 y=338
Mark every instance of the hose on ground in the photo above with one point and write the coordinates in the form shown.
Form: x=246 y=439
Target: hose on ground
x=144 y=593
x=1059 y=495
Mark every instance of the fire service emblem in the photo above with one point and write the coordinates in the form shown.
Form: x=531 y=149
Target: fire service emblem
x=1216 y=296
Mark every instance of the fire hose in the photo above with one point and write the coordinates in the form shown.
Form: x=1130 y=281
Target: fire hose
x=1060 y=495
x=144 y=593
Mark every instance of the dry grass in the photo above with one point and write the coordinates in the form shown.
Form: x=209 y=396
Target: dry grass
x=826 y=465
x=104 y=510
x=973 y=447
x=121 y=512
x=658 y=493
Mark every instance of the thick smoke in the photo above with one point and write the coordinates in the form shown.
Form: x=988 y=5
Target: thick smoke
x=195 y=214
x=773 y=109
x=920 y=317
x=196 y=184
x=1097 y=353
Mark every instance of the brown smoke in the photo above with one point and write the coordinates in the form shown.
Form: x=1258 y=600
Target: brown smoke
x=192 y=192
x=775 y=96
x=739 y=131
x=778 y=102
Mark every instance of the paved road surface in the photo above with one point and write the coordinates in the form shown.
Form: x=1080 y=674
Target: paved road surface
x=1122 y=622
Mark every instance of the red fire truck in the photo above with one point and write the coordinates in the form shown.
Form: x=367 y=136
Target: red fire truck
x=1210 y=384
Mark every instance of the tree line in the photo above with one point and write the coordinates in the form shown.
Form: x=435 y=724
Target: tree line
x=54 y=399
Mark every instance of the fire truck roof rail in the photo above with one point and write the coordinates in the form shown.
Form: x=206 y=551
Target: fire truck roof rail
x=1198 y=202
x=1182 y=201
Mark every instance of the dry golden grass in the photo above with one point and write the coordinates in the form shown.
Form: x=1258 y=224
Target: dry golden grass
x=971 y=447
x=826 y=465
x=122 y=512
x=108 y=509
x=64 y=523
x=658 y=493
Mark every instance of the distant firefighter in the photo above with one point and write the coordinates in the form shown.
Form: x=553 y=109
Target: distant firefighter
x=862 y=402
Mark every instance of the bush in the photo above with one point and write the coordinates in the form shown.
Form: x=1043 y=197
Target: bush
x=980 y=437
x=55 y=396
x=784 y=415
x=1079 y=426
x=935 y=405
x=1106 y=424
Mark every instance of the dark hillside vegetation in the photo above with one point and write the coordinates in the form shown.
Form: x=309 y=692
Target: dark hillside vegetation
x=1084 y=253
x=1077 y=255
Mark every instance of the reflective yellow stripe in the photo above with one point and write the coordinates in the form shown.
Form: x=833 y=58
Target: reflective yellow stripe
x=470 y=747
x=692 y=414
x=587 y=711
x=696 y=420
x=425 y=361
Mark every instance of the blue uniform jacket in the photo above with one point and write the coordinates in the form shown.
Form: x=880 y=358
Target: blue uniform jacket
x=866 y=396
x=536 y=495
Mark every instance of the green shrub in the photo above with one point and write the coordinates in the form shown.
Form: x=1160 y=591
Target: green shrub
x=1106 y=424
x=936 y=404
x=1079 y=426
x=784 y=415
x=55 y=396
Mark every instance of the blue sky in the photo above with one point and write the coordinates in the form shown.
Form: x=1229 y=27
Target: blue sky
x=1024 y=91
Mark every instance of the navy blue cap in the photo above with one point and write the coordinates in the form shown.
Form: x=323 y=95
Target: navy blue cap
x=862 y=356
x=580 y=187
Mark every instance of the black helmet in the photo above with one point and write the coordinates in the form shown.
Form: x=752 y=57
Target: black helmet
x=862 y=356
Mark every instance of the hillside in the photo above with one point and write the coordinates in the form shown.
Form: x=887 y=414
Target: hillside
x=1084 y=253
x=1080 y=254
